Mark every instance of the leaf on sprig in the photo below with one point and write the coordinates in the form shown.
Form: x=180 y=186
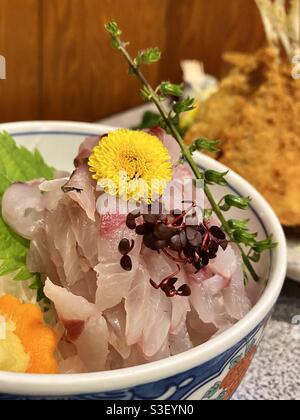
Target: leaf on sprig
x=238 y=224
x=171 y=89
x=149 y=56
x=185 y=105
x=246 y=277
x=146 y=94
x=215 y=178
x=17 y=164
x=205 y=145
x=244 y=237
x=251 y=270
x=115 y=32
x=264 y=245
x=230 y=201
x=113 y=29
x=255 y=257
x=150 y=120
x=208 y=214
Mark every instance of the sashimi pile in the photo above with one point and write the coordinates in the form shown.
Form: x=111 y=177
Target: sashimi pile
x=130 y=289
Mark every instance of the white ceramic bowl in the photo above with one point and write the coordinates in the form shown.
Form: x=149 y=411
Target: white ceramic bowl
x=211 y=371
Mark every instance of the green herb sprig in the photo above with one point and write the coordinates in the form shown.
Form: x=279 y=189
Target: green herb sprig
x=237 y=230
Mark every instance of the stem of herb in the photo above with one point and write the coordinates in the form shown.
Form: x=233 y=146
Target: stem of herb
x=153 y=96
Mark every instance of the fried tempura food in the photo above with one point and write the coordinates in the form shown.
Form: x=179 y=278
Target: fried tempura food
x=256 y=115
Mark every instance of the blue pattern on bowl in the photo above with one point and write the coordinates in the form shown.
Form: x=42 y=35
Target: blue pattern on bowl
x=202 y=382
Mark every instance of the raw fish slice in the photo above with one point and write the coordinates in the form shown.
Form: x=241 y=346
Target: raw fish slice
x=136 y=304
x=65 y=349
x=222 y=320
x=213 y=288
x=92 y=339
x=111 y=223
x=169 y=142
x=22 y=208
x=54 y=193
x=58 y=245
x=236 y=300
x=87 y=286
x=86 y=234
x=226 y=263
x=159 y=308
x=182 y=191
x=56 y=258
x=92 y=345
x=228 y=280
x=180 y=305
x=157 y=323
x=81 y=188
x=114 y=360
x=38 y=260
x=159 y=266
x=71 y=365
x=162 y=353
x=49 y=251
x=86 y=149
x=114 y=282
x=207 y=297
x=201 y=299
x=108 y=243
x=136 y=357
x=83 y=262
x=199 y=331
x=53 y=185
x=116 y=321
x=181 y=173
x=180 y=341
x=229 y=265
x=215 y=284
x=60 y=231
x=68 y=360
x=68 y=306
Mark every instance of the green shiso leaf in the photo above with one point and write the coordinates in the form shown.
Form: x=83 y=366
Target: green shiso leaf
x=17 y=164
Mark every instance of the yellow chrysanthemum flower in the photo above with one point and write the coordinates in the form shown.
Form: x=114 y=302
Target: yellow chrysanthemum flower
x=132 y=165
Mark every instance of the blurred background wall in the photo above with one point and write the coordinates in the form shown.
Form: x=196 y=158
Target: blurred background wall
x=60 y=64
